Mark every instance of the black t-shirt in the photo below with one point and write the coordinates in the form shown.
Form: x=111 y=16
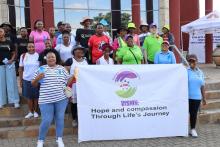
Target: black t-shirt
x=83 y=35
x=11 y=37
x=22 y=46
x=68 y=62
x=6 y=49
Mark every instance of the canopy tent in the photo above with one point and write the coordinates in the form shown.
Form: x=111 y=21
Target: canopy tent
x=208 y=24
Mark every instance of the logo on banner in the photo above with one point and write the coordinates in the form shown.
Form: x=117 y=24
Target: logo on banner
x=127 y=83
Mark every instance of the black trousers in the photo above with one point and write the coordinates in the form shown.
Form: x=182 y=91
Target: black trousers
x=74 y=111
x=150 y=62
x=193 y=110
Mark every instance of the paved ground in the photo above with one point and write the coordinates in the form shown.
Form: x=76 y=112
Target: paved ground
x=209 y=136
x=212 y=73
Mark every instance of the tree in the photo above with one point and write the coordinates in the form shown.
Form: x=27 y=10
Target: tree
x=125 y=18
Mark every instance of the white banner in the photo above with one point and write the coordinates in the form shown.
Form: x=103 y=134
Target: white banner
x=131 y=102
x=197 y=45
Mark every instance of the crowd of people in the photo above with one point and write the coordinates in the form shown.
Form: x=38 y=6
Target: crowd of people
x=47 y=65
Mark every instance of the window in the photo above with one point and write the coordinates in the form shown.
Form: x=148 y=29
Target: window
x=72 y=11
x=22 y=13
x=143 y=11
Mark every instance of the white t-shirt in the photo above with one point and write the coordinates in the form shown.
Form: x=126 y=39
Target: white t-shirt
x=30 y=63
x=102 y=61
x=65 y=51
x=72 y=69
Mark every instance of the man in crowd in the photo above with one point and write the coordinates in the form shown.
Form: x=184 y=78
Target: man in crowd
x=83 y=34
x=60 y=26
x=72 y=37
x=152 y=43
x=96 y=42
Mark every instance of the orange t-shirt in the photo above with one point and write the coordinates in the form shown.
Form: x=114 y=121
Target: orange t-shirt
x=95 y=43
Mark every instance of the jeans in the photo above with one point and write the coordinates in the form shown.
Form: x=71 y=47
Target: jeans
x=49 y=112
x=8 y=85
x=193 y=110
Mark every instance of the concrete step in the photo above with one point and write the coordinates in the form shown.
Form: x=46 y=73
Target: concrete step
x=212 y=86
x=213 y=94
x=6 y=122
x=10 y=111
x=212 y=104
x=209 y=116
x=31 y=131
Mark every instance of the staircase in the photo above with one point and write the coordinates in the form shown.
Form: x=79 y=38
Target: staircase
x=14 y=125
x=211 y=112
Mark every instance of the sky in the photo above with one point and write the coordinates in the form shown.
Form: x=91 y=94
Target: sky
x=216 y=6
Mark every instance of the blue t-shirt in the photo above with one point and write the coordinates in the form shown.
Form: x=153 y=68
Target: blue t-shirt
x=164 y=58
x=195 y=82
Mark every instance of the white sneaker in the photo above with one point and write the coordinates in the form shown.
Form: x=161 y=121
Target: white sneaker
x=40 y=143
x=17 y=105
x=194 y=133
x=74 y=123
x=60 y=142
x=29 y=115
x=36 y=115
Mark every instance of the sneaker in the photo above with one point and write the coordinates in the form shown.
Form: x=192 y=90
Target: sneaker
x=29 y=115
x=74 y=123
x=60 y=142
x=36 y=115
x=40 y=143
x=17 y=105
x=194 y=133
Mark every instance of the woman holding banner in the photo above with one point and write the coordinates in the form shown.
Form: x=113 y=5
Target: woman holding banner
x=130 y=54
x=196 y=85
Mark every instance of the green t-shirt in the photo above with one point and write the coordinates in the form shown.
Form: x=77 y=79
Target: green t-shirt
x=152 y=45
x=127 y=57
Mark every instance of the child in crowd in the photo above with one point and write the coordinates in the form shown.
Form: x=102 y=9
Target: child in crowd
x=105 y=59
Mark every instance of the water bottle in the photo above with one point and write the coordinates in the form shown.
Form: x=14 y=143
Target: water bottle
x=41 y=70
x=5 y=61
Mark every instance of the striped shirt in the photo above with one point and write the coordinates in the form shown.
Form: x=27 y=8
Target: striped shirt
x=53 y=84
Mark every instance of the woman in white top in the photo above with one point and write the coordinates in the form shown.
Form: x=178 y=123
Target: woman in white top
x=78 y=59
x=28 y=65
x=65 y=48
x=105 y=59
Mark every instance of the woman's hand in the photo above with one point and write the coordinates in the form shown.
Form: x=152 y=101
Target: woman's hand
x=40 y=76
x=10 y=61
x=20 y=83
x=204 y=101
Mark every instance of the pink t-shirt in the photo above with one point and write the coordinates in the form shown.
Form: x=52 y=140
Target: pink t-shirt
x=39 y=39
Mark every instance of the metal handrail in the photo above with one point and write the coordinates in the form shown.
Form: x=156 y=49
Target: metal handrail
x=180 y=54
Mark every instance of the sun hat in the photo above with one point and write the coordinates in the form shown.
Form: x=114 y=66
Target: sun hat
x=131 y=25
x=86 y=18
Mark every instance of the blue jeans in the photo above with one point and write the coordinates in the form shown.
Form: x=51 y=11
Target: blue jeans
x=8 y=85
x=49 y=112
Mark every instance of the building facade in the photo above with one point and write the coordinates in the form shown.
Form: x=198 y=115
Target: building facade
x=174 y=12
x=19 y=14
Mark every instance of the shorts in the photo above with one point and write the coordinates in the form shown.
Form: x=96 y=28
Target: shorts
x=29 y=91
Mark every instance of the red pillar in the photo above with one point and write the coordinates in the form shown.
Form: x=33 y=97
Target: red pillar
x=136 y=18
x=189 y=12
x=174 y=7
x=36 y=11
x=208 y=37
x=48 y=13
